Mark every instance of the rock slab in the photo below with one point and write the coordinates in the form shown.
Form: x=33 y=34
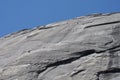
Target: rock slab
x=84 y=48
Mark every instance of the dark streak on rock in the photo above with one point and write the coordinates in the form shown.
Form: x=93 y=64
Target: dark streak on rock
x=107 y=23
x=20 y=32
x=110 y=70
x=79 y=54
x=85 y=53
x=43 y=28
x=67 y=61
x=77 y=72
x=109 y=49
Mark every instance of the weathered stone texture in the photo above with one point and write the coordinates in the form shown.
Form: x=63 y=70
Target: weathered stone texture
x=84 y=48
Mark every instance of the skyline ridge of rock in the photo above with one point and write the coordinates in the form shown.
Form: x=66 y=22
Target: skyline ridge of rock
x=47 y=25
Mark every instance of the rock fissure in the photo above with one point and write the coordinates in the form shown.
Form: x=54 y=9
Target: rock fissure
x=67 y=61
x=77 y=72
x=111 y=49
x=107 y=23
x=110 y=70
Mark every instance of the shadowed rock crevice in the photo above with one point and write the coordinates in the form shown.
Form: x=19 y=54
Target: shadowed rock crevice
x=108 y=71
x=69 y=60
x=79 y=55
x=95 y=25
x=77 y=72
x=110 y=49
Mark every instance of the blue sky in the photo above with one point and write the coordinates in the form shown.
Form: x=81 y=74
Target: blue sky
x=19 y=14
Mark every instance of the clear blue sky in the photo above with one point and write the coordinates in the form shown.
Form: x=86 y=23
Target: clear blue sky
x=19 y=14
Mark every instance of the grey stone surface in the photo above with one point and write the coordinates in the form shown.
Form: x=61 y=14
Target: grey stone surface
x=84 y=48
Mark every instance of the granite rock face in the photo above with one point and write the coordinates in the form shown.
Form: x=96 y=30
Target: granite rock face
x=84 y=48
